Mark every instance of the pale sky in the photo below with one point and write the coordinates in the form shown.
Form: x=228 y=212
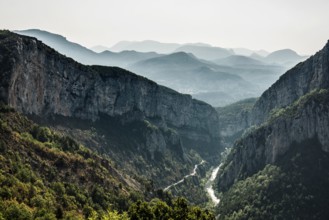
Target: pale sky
x=302 y=25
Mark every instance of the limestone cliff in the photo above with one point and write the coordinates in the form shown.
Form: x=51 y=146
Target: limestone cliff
x=292 y=110
x=38 y=81
x=234 y=119
x=306 y=119
x=300 y=80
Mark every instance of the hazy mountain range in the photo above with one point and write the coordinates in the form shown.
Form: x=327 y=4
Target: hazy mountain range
x=205 y=52
x=85 y=55
x=284 y=57
x=187 y=74
x=159 y=47
x=144 y=46
x=226 y=77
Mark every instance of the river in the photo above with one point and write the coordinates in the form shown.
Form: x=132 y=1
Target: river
x=182 y=180
x=209 y=185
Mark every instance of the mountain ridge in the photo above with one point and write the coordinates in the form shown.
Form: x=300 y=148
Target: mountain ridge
x=205 y=52
x=50 y=175
x=238 y=60
x=288 y=123
x=255 y=78
x=161 y=123
x=187 y=74
x=313 y=76
x=85 y=55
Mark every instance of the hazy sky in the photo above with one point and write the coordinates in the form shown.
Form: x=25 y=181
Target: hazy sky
x=302 y=25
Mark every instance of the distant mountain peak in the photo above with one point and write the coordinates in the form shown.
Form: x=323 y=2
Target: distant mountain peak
x=99 y=48
x=182 y=54
x=286 y=51
x=237 y=60
x=40 y=32
x=286 y=57
x=173 y=59
x=85 y=55
x=206 y=52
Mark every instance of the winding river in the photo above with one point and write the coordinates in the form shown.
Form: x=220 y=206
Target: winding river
x=187 y=176
x=209 y=184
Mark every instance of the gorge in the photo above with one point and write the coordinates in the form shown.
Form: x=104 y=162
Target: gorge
x=92 y=140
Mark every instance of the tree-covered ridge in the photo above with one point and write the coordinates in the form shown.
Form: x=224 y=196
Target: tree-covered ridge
x=109 y=107
x=236 y=108
x=315 y=100
x=319 y=96
x=165 y=210
x=294 y=186
x=45 y=175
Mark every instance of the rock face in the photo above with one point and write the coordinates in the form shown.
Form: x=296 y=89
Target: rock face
x=303 y=78
x=43 y=82
x=300 y=80
x=307 y=119
x=293 y=109
x=234 y=119
x=36 y=80
x=85 y=55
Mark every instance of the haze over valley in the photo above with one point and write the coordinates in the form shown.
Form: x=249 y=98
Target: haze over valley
x=180 y=110
x=218 y=76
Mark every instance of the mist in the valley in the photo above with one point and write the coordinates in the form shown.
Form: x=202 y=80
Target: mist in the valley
x=218 y=76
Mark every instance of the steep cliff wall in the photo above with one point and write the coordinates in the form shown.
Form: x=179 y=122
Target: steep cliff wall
x=306 y=119
x=38 y=81
x=44 y=82
x=303 y=78
x=292 y=110
x=300 y=80
x=234 y=119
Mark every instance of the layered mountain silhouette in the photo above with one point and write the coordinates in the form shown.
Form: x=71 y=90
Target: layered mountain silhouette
x=145 y=46
x=85 y=55
x=205 y=52
x=99 y=48
x=252 y=76
x=286 y=57
x=238 y=60
x=185 y=73
x=167 y=48
x=248 y=52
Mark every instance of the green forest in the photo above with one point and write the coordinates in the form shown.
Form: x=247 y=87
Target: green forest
x=45 y=175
